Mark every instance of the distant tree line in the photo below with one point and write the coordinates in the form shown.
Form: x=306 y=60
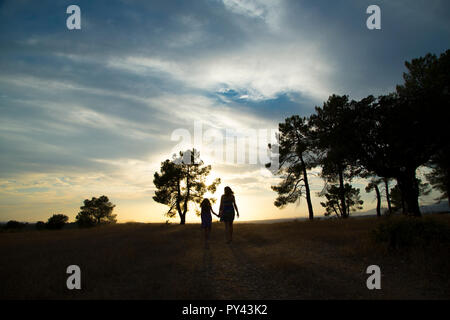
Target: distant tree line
x=378 y=138
x=94 y=212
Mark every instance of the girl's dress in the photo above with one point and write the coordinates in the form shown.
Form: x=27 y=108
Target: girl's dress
x=227 y=209
x=206 y=217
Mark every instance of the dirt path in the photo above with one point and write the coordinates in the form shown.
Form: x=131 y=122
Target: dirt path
x=258 y=266
x=274 y=271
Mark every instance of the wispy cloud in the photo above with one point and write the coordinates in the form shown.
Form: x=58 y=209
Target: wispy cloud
x=92 y=112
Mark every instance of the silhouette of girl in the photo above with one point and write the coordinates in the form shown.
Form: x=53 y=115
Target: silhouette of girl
x=207 y=219
x=226 y=212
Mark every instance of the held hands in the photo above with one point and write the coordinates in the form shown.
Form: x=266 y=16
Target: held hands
x=217 y=215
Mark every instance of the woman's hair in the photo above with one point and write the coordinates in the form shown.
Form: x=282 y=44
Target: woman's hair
x=205 y=203
x=228 y=192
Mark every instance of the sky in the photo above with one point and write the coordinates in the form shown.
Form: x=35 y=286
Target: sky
x=95 y=111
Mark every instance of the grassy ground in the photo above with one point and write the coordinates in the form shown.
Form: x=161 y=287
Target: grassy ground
x=292 y=260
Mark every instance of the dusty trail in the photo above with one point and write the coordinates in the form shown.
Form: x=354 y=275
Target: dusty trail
x=234 y=272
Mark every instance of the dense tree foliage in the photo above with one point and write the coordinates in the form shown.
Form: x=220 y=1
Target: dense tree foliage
x=439 y=177
x=296 y=156
x=400 y=132
x=56 y=221
x=388 y=137
x=333 y=205
x=332 y=132
x=95 y=212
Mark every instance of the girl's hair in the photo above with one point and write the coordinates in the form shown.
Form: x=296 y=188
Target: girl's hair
x=228 y=191
x=205 y=203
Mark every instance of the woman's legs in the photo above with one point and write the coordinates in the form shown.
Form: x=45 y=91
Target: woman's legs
x=228 y=230
x=231 y=230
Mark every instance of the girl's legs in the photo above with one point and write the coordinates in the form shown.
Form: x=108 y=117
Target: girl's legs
x=207 y=234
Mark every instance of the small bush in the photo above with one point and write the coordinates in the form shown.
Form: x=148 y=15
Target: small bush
x=40 y=225
x=57 y=221
x=411 y=232
x=13 y=224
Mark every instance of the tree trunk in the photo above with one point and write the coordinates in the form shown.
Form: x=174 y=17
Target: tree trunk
x=448 y=187
x=409 y=188
x=388 y=195
x=342 y=193
x=377 y=191
x=180 y=213
x=335 y=211
x=403 y=206
x=182 y=218
x=448 y=196
x=308 y=194
x=186 y=200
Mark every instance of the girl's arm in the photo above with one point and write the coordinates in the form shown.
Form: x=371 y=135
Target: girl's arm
x=214 y=212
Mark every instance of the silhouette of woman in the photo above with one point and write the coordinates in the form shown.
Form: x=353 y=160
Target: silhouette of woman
x=226 y=212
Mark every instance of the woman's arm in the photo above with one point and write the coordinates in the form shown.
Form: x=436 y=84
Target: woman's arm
x=221 y=206
x=235 y=206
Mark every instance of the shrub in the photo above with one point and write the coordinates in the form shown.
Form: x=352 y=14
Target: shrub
x=13 y=224
x=409 y=232
x=57 y=221
x=40 y=225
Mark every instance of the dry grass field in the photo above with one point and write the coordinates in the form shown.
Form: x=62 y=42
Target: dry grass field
x=292 y=260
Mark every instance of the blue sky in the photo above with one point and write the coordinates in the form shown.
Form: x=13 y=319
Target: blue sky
x=91 y=111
